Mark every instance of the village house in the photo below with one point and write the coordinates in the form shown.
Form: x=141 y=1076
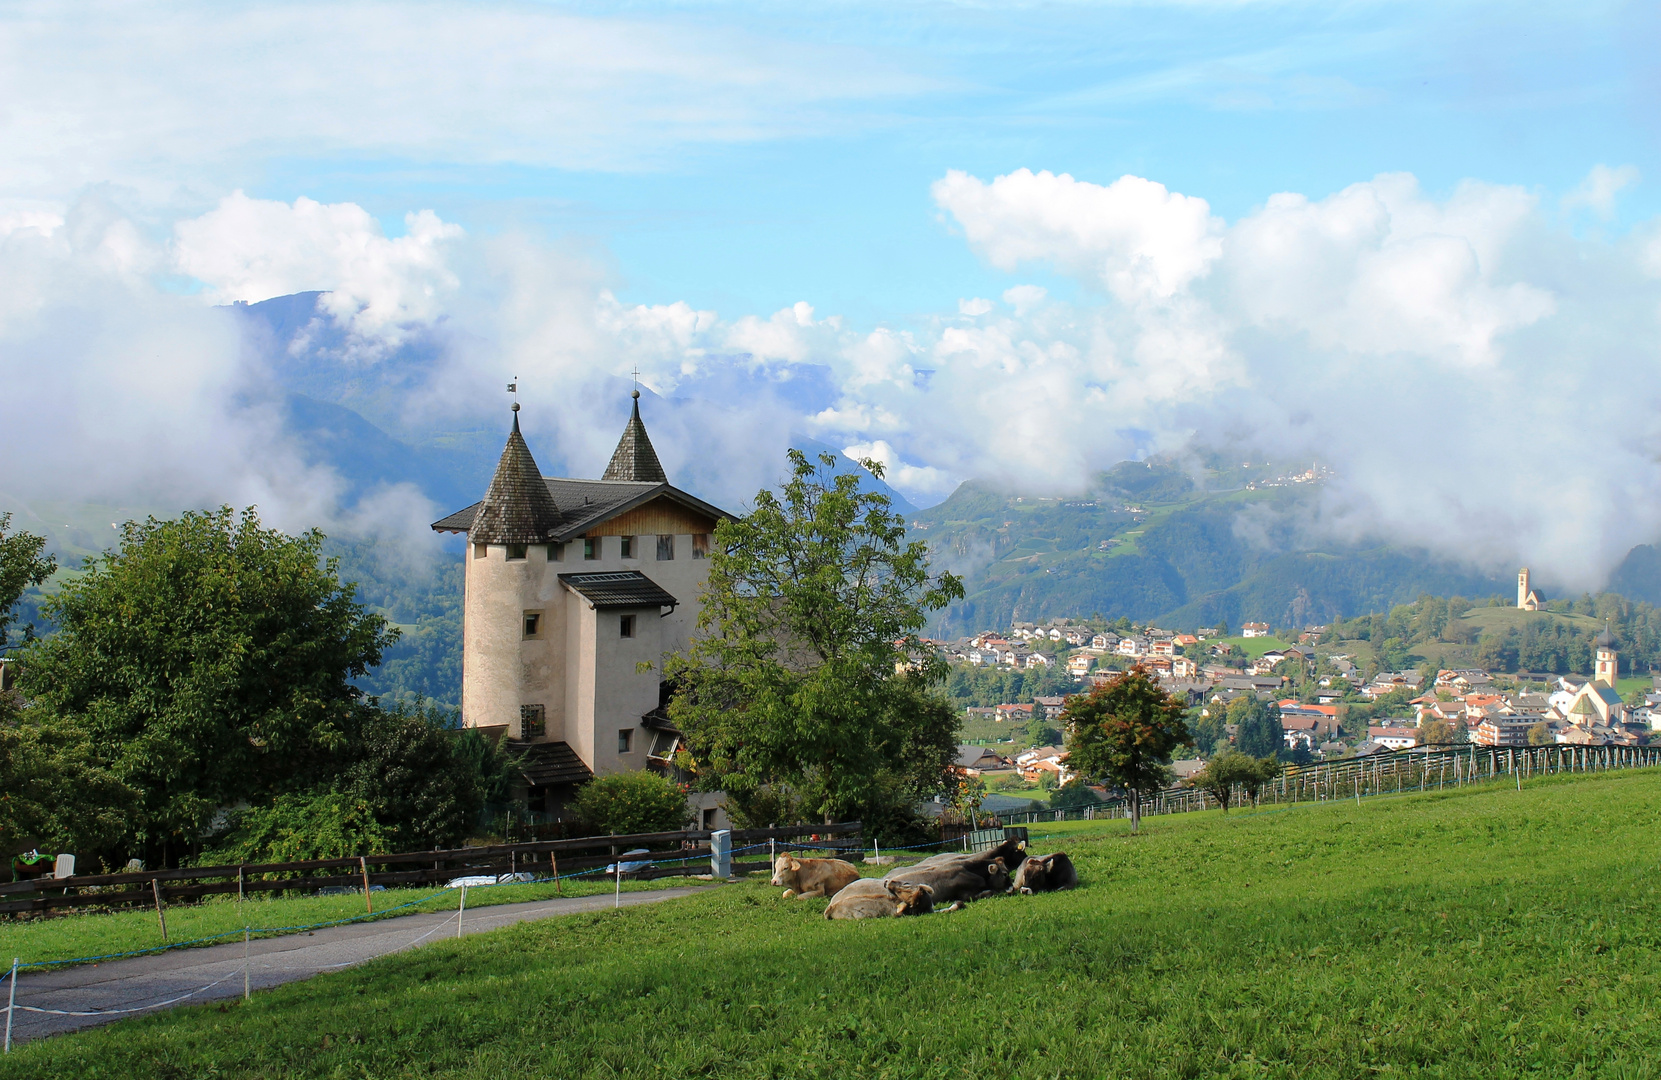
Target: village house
x=1133 y=646
x=1162 y=647
x=974 y=760
x=1255 y=629
x=1394 y=738
x=574 y=593
x=1041 y=760
x=1052 y=706
x=1080 y=664
x=1015 y=712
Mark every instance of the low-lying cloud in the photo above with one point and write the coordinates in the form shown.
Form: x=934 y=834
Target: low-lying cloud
x=1482 y=379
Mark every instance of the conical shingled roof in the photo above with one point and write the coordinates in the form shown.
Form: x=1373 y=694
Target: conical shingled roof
x=634 y=459
x=517 y=508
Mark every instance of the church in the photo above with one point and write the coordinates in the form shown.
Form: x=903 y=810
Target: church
x=576 y=591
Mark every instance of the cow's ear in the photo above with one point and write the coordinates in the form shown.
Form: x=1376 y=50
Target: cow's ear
x=928 y=889
x=795 y=863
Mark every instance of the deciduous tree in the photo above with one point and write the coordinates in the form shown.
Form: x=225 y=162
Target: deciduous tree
x=806 y=684
x=1124 y=732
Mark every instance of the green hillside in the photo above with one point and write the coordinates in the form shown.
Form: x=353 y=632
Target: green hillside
x=1152 y=542
x=1471 y=933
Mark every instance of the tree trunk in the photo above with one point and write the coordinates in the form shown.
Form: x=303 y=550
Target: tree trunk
x=1135 y=810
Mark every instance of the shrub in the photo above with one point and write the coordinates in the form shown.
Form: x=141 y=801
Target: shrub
x=632 y=802
x=305 y=825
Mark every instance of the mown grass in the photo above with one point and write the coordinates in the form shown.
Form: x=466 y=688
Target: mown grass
x=73 y=934
x=1480 y=932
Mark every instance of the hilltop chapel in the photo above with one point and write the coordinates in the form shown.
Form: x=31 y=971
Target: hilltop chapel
x=576 y=591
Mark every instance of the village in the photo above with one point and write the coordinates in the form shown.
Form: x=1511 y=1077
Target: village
x=1329 y=706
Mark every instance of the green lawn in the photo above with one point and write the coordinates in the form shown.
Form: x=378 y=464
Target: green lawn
x=76 y=934
x=1475 y=933
x=1252 y=647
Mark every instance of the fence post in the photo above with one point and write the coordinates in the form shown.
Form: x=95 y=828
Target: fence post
x=364 y=866
x=461 y=910
x=720 y=854
x=553 y=868
x=155 y=890
x=11 y=1004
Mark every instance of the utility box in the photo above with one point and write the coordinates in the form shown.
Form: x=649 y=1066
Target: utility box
x=720 y=854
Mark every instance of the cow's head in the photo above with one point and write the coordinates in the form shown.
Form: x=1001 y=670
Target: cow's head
x=785 y=869
x=910 y=898
x=997 y=876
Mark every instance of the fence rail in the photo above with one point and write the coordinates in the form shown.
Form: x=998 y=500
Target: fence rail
x=564 y=857
x=1391 y=772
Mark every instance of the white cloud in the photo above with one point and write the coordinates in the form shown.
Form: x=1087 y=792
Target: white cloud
x=1597 y=192
x=1136 y=238
x=206 y=91
x=253 y=249
x=919 y=479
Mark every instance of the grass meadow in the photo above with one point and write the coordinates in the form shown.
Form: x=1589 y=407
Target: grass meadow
x=1483 y=932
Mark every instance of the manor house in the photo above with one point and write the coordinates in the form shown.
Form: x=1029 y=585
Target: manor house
x=576 y=590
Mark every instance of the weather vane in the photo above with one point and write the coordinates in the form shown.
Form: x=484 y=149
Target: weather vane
x=513 y=387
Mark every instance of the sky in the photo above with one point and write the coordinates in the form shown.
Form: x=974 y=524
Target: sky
x=1418 y=241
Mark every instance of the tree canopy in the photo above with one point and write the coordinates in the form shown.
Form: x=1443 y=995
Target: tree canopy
x=1124 y=732
x=23 y=563
x=806 y=691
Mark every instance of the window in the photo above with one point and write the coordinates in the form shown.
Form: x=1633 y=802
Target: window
x=700 y=545
x=591 y=548
x=709 y=818
x=626 y=624
x=479 y=550
x=627 y=543
x=533 y=721
x=556 y=552
x=665 y=548
x=516 y=551
x=625 y=741
x=533 y=624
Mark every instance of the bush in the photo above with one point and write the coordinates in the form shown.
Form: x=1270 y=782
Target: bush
x=306 y=825
x=632 y=802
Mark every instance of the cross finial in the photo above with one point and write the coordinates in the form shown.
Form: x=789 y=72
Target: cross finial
x=636 y=374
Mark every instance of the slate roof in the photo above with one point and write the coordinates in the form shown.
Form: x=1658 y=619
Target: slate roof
x=545 y=764
x=517 y=508
x=634 y=459
x=587 y=503
x=618 y=589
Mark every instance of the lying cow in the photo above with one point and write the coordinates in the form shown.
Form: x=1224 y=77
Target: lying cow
x=1048 y=874
x=868 y=898
x=959 y=876
x=803 y=878
x=956 y=877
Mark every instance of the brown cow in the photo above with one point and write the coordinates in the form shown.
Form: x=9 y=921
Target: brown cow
x=803 y=878
x=1048 y=874
x=960 y=876
x=869 y=898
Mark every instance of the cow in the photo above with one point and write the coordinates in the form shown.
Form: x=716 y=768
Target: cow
x=959 y=876
x=869 y=898
x=803 y=878
x=1048 y=874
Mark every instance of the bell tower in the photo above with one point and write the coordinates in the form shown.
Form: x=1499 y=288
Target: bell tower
x=1605 y=668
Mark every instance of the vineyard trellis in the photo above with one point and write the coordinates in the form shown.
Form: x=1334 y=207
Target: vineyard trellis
x=1384 y=773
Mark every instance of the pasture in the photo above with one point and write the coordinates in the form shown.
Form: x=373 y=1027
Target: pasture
x=1478 y=932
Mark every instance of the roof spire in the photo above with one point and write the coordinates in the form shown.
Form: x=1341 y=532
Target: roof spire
x=517 y=508
x=634 y=459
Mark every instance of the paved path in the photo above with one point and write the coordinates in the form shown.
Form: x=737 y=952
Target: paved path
x=141 y=985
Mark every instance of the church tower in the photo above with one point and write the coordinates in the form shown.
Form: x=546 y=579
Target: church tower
x=1605 y=668
x=1527 y=598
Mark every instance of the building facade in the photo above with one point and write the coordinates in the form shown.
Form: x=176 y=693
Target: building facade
x=576 y=592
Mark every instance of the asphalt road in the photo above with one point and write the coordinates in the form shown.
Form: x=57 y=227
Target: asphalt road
x=142 y=985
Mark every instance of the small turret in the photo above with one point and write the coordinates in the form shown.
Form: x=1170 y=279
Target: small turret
x=517 y=507
x=634 y=459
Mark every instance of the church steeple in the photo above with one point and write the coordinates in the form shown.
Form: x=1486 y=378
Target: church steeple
x=1605 y=666
x=517 y=507
x=634 y=458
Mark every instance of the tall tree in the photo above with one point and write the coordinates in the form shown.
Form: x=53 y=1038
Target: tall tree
x=22 y=564
x=210 y=660
x=1258 y=732
x=806 y=685
x=1124 y=732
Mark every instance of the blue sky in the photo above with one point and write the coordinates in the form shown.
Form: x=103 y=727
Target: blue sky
x=1230 y=102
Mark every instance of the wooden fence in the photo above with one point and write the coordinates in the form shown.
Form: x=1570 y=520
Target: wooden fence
x=689 y=851
x=1384 y=773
